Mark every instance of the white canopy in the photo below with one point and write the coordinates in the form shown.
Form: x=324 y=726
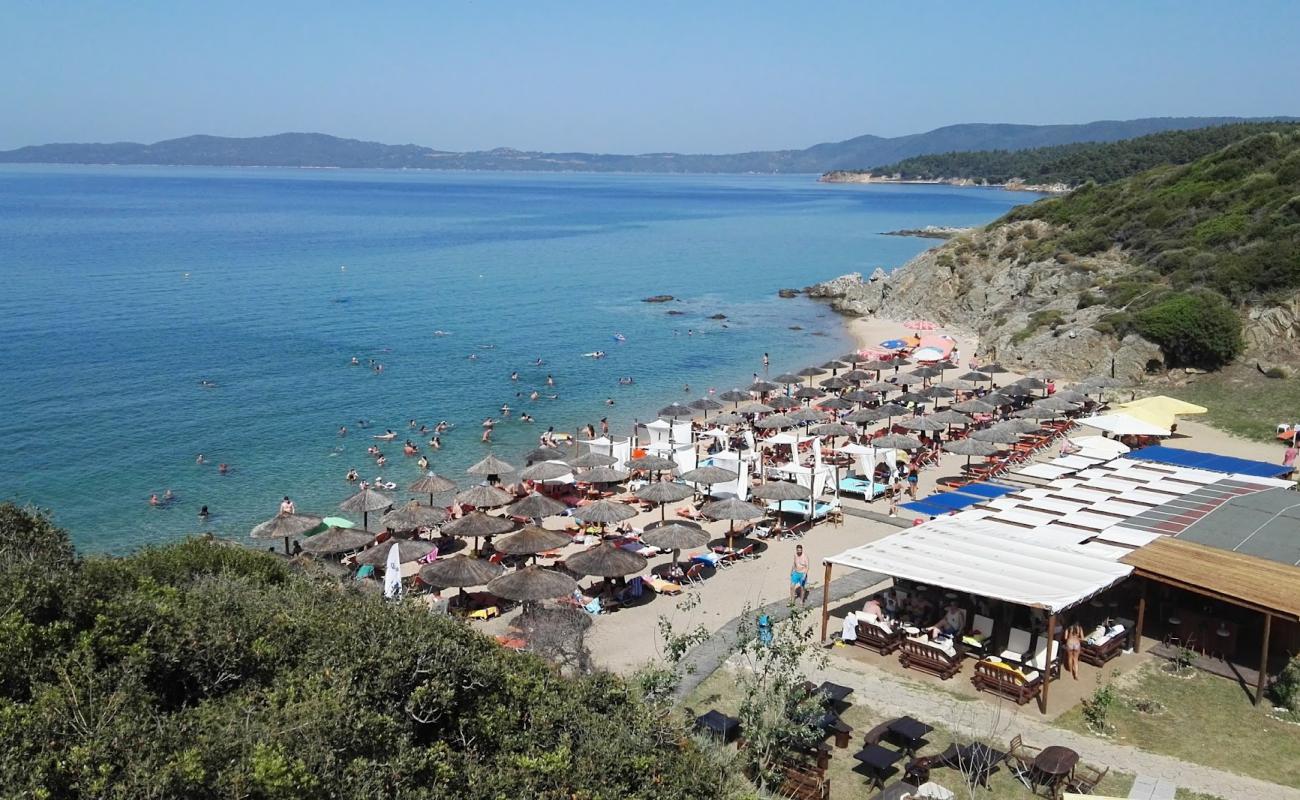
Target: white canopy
x=619 y=447
x=738 y=488
x=976 y=556
x=1099 y=446
x=1123 y=425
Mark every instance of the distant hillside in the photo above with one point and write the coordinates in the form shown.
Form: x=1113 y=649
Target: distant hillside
x=1180 y=265
x=1068 y=164
x=320 y=150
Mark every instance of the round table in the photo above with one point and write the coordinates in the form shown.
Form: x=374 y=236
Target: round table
x=1055 y=763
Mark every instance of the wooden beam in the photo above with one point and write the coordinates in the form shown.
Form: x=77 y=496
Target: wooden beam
x=1263 y=660
x=1194 y=589
x=1047 y=663
x=1142 y=615
x=826 y=600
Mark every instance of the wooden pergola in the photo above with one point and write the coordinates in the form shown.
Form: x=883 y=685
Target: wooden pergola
x=1270 y=588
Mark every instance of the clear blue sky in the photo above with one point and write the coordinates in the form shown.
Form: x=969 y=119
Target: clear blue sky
x=608 y=76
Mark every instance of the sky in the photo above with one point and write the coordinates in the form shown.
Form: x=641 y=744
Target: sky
x=656 y=75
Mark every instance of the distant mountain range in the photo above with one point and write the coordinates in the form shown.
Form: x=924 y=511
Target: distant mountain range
x=862 y=152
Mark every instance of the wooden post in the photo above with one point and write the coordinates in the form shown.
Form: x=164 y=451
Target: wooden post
x=1047 y=663
x=1263 y=660
x=1142 y=614
x=826 y=600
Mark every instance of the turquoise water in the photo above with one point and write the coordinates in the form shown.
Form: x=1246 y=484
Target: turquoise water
x=126 y=287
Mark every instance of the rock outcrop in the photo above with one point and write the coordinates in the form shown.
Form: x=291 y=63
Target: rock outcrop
x=1026 y=313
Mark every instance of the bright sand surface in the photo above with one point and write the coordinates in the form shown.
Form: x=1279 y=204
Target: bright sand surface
x=629 y=638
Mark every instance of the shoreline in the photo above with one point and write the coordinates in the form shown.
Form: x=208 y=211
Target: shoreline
x=849 y=177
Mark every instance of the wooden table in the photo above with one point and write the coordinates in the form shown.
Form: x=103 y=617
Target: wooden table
x=910 y=731
x=877 y=760
x=1055 y=764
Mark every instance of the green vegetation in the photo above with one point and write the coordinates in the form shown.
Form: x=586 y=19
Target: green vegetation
x=1076 y=164
x=201 y=670
x=1192 y=328
x=1203 y=719
x=1045 y=318
x=1243 y=402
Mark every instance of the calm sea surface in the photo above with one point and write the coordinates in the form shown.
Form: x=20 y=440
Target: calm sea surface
x=126 y=287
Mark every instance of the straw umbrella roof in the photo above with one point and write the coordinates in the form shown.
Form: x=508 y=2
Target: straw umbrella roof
x=781 y=490
x=460 y=571
x=477 y=523
x=808 y=393
x=675 y=536
x=763 y=386
x=282 y=526
x=834 y=365
x=431 y=484
x=784 y=403
x=709 y=474
x=337 y=540
x=604 y=512
x=531 y=540
x=1056 y=404
x=834 y=382
x=490 y=465
x=484 y=496
x=1031 y=383
x=754 y=408
x=1019 y=425
x=1015 y=390
x=591 y=459
x=1072 y=396
x=927 y=372
x=974 y=407
x=412 y=516
x=896 y=441
x=875 y=364
x=728 y=419
x=970 y=447
x=838 y=403
x=734 y=395
x=808 y=372
x=705 y=404
x=933 y=392
x=833 y=429
x=880 y=387
x=1035 y=412
x=536 y=505
x=532 y=583
x=993 y=369
x=545 y=471
x=857 y=375
x=407 y=550
x=675 y=410
x=787 y=379
x=543 y=454
x=892 y=409
x=975 y=377
x=997 y=435
x=365 y=501
x=923 y=424
x=865 y=415
x=950 y=417
x=664 y=492
x=603 y=475
x=606 y=560
x=809 y=415
x=900 y=361
x=775 y=421
x=652 y=463
x=911 y=397
x=733 y=509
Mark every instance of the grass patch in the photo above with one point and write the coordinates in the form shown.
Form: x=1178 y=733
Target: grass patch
x=1204 y=720
x=719 y=691
x=1243 y=402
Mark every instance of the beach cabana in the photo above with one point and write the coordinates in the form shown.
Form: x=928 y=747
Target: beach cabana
x=1160 y=411
x=972 y=556
x=1122 y=424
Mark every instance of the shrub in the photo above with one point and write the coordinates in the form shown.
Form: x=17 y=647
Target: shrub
x=1197 y=328
x=1286 y=689
x=1089 y=299
x=1096 y=708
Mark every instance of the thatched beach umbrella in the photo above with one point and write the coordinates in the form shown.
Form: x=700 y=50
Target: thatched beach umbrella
x=728 y=419
x=604 y=512
x=365 y=501
x=337 y=540
x=490 y=467
x=407 y=550
x=476 y=524
x=1072 y=396
x=781 y=490
x=1019 y=425
x=591 y=459
x=933 y=392
x=975 y=406
x=755 y=408
x=834 y=365
x=923 y=424
x=460 y=571
x=774 y=422
x=484 y=496
x=970 y=447
x=675 y=537
x=734 y=396
x=285 y=526
x=997 y=435
x=762 y=387
x=412 y=516
x=808 y=415
x=832 y=429
x=536 y=506
x=531 y=541
x=431 y=484
x=675 y=411
x=603 y=475
x=975 y=377
x=545 y=471
x=1055 y=403
x=864 y=416
x=787 y=379
x=543 y=454
x=1015 y=390
x=833 y=383
x=896 y=441
x=732 y=509
x=706 y=405
x=808 y=393
x=709 y=475
x=837 y=404
x=856 y=375
x=606 y=560
x=532 y=584
x=664 y=492
x=784 y=403
x=652 y=463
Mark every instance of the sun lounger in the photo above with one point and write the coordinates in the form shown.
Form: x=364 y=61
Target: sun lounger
x=1076 y=462
x=926 y=507
x=1045 y=472
x=800 y=508
x=986 y=489
x=867 y=488
x=710 y=559
x=952 y=501
x=662 y=586
x=1103 y=644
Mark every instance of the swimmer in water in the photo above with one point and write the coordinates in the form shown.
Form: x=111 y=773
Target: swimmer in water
x=223 y=468
x=355 y=361
x=200 y=460
x=168 y=496
x=525 y=417
x=343 y=430
x=538 y=362
x=411 y=424
x=287 y=506
x=473 y=356
x=153 y=500
x=609 y=401
x=550 y=381
x=423 y=429
x=604 y=426
x=352 y=475
x=505 y=409
x=203 y=512
x=514 y=376
x=534 y=395
x=388 y=435
x=423 y=463
x=379 y=462
x=436 y=443
x=441 y=427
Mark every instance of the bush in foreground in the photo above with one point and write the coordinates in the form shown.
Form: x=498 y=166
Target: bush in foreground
x=1193 y=328
x=204 y=671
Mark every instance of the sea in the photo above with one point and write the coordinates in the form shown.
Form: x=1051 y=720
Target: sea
x=152 y=314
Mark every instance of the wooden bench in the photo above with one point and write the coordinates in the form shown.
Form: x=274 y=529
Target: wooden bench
x=923 y=656
x=805 y=783
x=874 y=637
x=1098 y=654
x=1006 y=681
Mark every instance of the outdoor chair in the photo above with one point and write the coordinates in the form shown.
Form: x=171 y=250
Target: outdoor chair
x=877 y=635
x=1007 y=681
x=1085 y=779
x=1017 y=646
x=1020 y=758
x=1041 y=661
x=981 y=632
x=927 y=657
x=694 y=575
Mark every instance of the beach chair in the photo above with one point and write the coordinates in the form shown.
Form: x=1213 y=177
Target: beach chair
x=366 y=571
x=1041 y=660
x=694 y=576
x=1020 y=759
x=981 y=631
x=1017 y=646
x=1085 y=779
x=746 y=553
x=662 y=586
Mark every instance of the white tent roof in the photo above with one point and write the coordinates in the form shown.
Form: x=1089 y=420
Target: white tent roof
x=976 y=556
x=1099 y=445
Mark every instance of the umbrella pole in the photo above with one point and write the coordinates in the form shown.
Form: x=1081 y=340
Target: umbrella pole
x=365 y=521
x=286 y=545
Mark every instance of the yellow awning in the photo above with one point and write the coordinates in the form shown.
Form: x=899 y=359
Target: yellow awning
x=1160 y=410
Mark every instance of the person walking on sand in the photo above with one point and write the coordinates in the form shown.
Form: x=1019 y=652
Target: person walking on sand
x=1073 y=646
x=1288 y=457
x=799 y=575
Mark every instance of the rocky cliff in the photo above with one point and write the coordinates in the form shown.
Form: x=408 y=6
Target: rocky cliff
x=1036 y=313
